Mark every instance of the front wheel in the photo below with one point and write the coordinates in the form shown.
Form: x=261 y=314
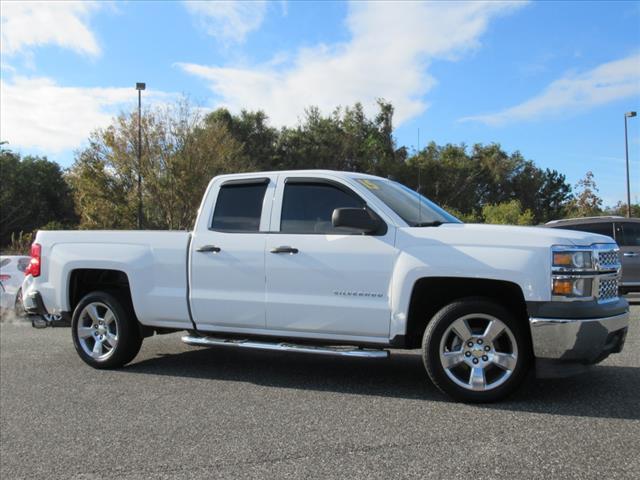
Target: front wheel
x=105 y=331
x=476 y=351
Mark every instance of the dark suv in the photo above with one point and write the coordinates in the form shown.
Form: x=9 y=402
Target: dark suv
x=625 y=231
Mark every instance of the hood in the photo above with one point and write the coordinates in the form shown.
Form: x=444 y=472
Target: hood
x=505 y=235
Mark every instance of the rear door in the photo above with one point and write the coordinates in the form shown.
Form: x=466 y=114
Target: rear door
x=628 y=238
x=323 y=281
x=227 y=256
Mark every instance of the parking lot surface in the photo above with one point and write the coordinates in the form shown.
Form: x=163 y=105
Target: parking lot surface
x=186 y=412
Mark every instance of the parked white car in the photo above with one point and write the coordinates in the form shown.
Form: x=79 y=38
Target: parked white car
x=345 y=264
x=12 y=269
x=5 y=300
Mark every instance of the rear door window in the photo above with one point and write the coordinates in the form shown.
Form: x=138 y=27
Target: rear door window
x=239 y=208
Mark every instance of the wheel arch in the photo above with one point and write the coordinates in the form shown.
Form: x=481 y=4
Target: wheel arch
x=86 y=280
x=430 y=294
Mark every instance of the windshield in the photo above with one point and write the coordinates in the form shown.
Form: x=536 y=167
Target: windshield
x=412 y=207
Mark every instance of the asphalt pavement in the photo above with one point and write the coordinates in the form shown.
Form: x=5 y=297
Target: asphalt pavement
x=187 y=412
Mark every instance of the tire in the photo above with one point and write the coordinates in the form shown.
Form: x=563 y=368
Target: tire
x=107 y=320
x=18 y=307
x=484 y=363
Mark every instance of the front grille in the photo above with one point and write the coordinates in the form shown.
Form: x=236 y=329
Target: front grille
x=608 y=259
x=608 y=289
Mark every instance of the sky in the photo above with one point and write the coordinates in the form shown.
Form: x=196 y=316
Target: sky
x=549 y=79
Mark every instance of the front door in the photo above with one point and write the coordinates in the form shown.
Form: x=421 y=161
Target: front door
x=628 y=238
x=227 y=259
x=322 y=280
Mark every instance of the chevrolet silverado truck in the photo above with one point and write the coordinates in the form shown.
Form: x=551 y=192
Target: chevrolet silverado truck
x=339 y=263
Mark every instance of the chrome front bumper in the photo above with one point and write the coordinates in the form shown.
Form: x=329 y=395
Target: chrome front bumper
x=585 y=341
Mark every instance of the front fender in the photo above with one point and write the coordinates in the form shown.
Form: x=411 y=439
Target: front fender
x=526 y=267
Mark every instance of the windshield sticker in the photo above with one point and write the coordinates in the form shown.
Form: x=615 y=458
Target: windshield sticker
x=369 y=184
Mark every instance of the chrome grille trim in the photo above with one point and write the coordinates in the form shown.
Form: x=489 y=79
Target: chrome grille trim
x=608 y=260
x=607 y=289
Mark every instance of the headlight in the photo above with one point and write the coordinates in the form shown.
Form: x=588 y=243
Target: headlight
x=570 y=260
x=572 y=287
x=572 y=273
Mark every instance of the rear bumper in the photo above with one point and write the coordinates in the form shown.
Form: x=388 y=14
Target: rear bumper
x=565 y=346
x=33 y=304
x=37 y=312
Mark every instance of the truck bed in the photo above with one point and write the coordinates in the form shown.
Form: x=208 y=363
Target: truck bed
x=155 y=263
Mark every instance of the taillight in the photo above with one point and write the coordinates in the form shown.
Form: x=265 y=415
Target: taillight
x=4 y=278
x=33 y=268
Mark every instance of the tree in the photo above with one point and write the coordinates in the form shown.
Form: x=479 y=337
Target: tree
x=586 y=201
x=33 y=192
x=251 y=130
x=507 y=213
x=183 y=149
x=345 y=140
x=464 y=217
x=552 y=196
x=620 y=209
x=468 y=179
x=181 y=153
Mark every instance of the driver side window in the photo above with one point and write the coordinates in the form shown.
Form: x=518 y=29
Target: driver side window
x=307 y=207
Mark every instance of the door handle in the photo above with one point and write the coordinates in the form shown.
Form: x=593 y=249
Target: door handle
x=630 y=254
x=208 y=248
x=289 y=250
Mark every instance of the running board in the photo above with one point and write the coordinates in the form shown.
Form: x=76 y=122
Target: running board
x=285 y=347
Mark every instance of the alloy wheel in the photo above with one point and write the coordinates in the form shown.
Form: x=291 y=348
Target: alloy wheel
x=97 y=331
x=478 y=352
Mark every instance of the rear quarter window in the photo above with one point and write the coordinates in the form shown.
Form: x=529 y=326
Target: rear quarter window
x=602 y=228
x=628 y=234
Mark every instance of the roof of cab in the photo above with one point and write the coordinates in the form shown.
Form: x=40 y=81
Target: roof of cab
x=302 y=172
x=591 y=220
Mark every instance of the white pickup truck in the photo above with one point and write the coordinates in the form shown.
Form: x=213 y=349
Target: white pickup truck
x=346 y=264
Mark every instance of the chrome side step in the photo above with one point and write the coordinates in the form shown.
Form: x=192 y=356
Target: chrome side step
x=285 y=347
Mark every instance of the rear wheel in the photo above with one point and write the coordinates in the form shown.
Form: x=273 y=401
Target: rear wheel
x=105 y=331
x=476 y=351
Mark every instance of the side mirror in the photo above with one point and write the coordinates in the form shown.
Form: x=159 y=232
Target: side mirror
x=356 y=218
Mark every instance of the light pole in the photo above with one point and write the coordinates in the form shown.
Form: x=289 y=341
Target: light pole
x=141 y=86
x=626 y=154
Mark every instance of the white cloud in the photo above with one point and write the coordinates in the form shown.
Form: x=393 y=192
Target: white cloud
x=388 y=56
x=228 y=21
x=284 y=7
x=37 y=113
x=575 y=92
x=30 y=24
